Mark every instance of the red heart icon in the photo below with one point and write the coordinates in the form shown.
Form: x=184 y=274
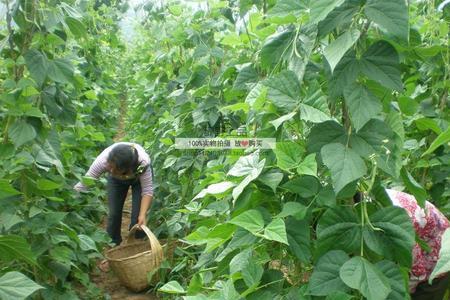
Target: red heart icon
x=244 y=143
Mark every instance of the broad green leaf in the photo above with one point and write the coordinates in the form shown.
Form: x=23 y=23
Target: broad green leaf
x=377 y=138
x=240 y=261
x=252 y=273
x=277 y=122
x=442 y=139
x=396 y=280
x=219 y=235
x=358 y=273
x=390 y=15
x=431 y=51
x=257 y=96
x=7 y=150
x=271 y=179
x=275 y=48
x=308 y=166
x=236 y=107
x=344 y=163
x=395 y=122
x=37 y=65
x=60 y=70
x=407 y=105
x=47 y=185
x=237 y=191
x=250 y=220
x=305 y=44
x=314 y=107
x=276 y=231
x=14 y=247
x=381 y=63
x=86 y=243
x=8 y=220
x=91 y=95
x=172 y=287
x=298 y=235
x=326 y=196
x=63 y=254
x=20 y=132
x=339 y=296
x=195 y=285
x=338 y=228
x=325 y=133
x=340 y=16
x=312 y=114
x=232 y=39
x=200 y=74
x=15 y=285
x=295 y=209
x=88 y=181
x=215 y=188
x=428 y=124
x=288 y=7
x=345 y=73
x=198 y=237
x=283 y=90
x=336 y=49
x=76 y=27
x=443 y=264
x=241 y=238
x=321 y=8
x=305 y=186
x=246 y=165
x=362 y=105
x=29 y=91
x=228 y=291
x=289 y=155
x=414 y=187
x=7 y=190
x=71 y=11
x=247 y=76
x=176 y=10
x=32 y=112
x=325 y=278
x=397 y=236
x=169 y=161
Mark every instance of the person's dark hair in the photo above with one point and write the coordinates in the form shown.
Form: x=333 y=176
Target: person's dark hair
x=124 y=157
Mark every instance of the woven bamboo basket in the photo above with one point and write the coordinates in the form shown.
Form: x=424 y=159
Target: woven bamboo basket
x=132 y=261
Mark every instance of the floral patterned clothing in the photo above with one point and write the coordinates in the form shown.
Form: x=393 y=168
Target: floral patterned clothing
x=429 y=224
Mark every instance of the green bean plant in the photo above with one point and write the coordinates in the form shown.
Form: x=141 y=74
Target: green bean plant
x=355 y=92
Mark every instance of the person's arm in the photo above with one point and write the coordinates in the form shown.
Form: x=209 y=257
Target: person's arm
x=97 y=168
x=146 y=201
x=147 y=195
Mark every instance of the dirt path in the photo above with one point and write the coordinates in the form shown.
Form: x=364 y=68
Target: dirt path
x=107 y=281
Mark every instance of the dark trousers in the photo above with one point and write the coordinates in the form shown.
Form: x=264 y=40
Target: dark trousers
x=117 y=190
x=436 y=291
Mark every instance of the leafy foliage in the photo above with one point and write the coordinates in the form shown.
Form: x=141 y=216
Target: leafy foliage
x=355 y=93
x=59 y=92
x=342 y=87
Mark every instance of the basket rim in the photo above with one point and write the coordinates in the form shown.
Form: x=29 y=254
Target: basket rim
x=155 y=247
x=125 y=258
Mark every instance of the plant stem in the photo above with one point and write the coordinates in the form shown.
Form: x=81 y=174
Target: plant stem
x=5 y=131
x=362 y=228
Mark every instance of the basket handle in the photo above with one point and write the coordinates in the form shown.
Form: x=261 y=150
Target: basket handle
x=154 y=243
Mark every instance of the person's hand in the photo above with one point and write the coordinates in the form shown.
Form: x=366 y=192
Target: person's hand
x=141 y=220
